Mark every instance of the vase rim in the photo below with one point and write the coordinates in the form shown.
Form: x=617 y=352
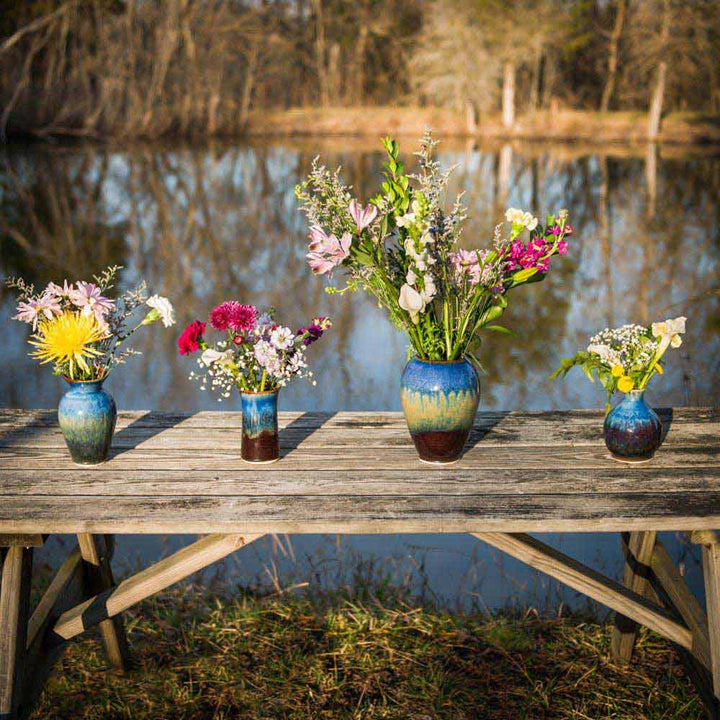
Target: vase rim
x=257 y=392
x=70 y=381
x=441 y=362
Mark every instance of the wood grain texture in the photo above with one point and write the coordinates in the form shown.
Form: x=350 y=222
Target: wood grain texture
x=681 y=598
x=354 y=473
x=593 y=584
x=711 y=574
x=14 y=602
x=638 y=549
x=147 y=582
x=99 y=577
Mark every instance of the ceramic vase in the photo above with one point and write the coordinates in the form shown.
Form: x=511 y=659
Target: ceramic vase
x=87 y=416
x=260 y=427
x=439 y=400
x=632 y=429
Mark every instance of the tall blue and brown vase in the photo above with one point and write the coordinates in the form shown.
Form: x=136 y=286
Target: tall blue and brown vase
x=632 y=429
x=259 y=427
x=87 y=416
x=440 y=400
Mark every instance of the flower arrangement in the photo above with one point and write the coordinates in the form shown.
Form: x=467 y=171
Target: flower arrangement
x=627 y=357
x=403 y=248
x=80 y=330
x=254 y=355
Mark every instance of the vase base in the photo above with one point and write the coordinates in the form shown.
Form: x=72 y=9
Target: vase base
x=631 y=460
x=260 y=462
x=89 y=464
x=439 y=462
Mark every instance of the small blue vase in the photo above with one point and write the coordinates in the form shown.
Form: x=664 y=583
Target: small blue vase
x=87 y=416
x=259 y=427
x=440 y=400
x=632 y=429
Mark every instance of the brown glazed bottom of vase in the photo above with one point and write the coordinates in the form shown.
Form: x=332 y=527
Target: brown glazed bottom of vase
x=440 y=446
x=261 y=449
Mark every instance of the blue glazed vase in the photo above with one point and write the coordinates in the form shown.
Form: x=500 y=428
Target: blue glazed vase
x=440 y=400
x=87 y=416
x=632 y=429
x=259 y=427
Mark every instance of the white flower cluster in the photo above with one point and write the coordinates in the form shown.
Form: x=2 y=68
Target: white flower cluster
x=628 y=346
x=521 y=217
x=419 y=288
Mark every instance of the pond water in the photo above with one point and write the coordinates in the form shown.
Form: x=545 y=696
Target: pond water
x=203 y=224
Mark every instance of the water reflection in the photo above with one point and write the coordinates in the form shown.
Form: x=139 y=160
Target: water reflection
x=204 y=224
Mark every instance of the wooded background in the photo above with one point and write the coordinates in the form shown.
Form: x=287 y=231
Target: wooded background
x=146 y=68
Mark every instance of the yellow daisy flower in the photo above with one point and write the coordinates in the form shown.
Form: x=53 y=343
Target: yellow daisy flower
x=66 y=340
x=625 y=384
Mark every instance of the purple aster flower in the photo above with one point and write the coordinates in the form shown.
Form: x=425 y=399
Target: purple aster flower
x=90 y=300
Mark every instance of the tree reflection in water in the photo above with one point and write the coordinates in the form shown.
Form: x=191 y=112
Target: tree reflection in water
x=205 y=224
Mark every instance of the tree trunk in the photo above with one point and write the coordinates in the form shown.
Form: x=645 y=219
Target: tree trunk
x=508 y=95
x=334 y=73
x=658 y=95
x=536 y=87
x=359 y=72
x=249 y=84
x=471 y=114
x=613 y=52
x=320 y=53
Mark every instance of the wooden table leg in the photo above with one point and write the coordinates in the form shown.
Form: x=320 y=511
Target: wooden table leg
x=638 y=547
x=98 y=576
x=711 y=573
x=14 y=608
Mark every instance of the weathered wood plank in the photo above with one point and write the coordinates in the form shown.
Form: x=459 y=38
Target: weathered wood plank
x=368 y=514
x=711 y=573
x=98 y=578
x=638 y=549
x=147 y=582
x=665 y=572
x=481 y=457
x=357 y=430
x=345 y=419
x=14 y=601
x=43 y=647
x=278 y=480
x=589 y=582
x=35 y=540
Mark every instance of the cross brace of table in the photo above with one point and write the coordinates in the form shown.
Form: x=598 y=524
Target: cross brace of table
x=83 y=595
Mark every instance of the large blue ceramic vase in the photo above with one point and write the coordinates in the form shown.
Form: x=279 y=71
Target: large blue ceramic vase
x=259 y=427
x=440 y=400
x=87 y=416
x=632 y=429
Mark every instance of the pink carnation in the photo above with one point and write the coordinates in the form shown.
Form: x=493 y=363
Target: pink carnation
x=233 y=315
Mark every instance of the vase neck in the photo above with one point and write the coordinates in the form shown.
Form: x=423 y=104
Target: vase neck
x=634 y=396
x=87 y=387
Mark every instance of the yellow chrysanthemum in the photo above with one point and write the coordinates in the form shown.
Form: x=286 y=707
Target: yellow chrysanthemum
x=625 y=384
x=66 y=340
x=617 y=371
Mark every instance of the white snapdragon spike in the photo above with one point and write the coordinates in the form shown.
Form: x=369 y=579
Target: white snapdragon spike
x=405 y=220
x=164 y=308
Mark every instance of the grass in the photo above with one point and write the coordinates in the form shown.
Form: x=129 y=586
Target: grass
x=562 y=124
x=201 y=654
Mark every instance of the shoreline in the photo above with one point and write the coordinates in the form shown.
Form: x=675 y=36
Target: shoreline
x=542 y=126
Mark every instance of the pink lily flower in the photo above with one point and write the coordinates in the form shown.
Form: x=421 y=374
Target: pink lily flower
x=326 y=254
x=363 y=217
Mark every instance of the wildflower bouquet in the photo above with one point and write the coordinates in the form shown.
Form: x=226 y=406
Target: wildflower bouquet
x=403 y=249
x=80 y=330
x=254 y=354
x=627 y=357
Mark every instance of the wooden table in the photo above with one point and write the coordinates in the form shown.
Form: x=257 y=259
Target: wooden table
x=350 y=473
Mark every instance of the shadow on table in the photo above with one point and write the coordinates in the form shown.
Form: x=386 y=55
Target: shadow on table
x=301 y=428
x=18 y=434
x=666 y=418
x=485 y=423
x=129 y=437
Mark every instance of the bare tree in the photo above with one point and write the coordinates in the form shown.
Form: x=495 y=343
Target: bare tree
x=613 y=54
